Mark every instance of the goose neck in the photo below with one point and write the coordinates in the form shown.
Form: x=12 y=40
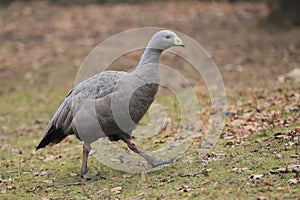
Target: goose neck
x=150 y=56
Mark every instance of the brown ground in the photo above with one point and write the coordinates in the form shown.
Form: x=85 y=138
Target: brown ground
x=39 y=39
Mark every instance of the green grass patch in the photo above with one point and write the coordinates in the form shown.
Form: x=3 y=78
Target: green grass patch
x=247 y=170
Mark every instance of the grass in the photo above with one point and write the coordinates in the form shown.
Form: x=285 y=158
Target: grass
x=53 y=173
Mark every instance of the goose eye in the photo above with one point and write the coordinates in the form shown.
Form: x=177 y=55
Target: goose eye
x=168 y=37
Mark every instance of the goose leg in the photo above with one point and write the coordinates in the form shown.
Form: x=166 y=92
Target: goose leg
x=152 y=162
x=85 y=154
x=86 y=148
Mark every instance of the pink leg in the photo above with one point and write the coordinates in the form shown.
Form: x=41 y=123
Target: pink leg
x=85 y=154
x=133 y=147
x=84 y=169
x=153 y=162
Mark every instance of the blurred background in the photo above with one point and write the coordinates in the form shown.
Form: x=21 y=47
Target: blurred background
x=44 y=42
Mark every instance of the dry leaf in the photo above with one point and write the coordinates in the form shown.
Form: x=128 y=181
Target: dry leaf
x=51 y=157
x=235 y=169
x=280 y=136
x=47 y=181
x=117 y=190
x=183 y=188
x=293 y=181
x=30 y=189
x=127 y=175
x=287 y=169
x=256 y=176
x=278 y=155
x=42 y=173
x=159 y=141
x=261 y=198
x=73 y=174
x=11 y=187
x=294 y=167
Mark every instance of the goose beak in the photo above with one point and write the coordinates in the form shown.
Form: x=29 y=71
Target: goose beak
x=178 y=42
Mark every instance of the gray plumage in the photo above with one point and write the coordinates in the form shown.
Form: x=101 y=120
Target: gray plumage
x=99 y=106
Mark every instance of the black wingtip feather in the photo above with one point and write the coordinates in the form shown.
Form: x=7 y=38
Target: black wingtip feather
x=53 y=136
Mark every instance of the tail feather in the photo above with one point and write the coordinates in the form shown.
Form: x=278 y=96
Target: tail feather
x=57 y=127
x=53 y=136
